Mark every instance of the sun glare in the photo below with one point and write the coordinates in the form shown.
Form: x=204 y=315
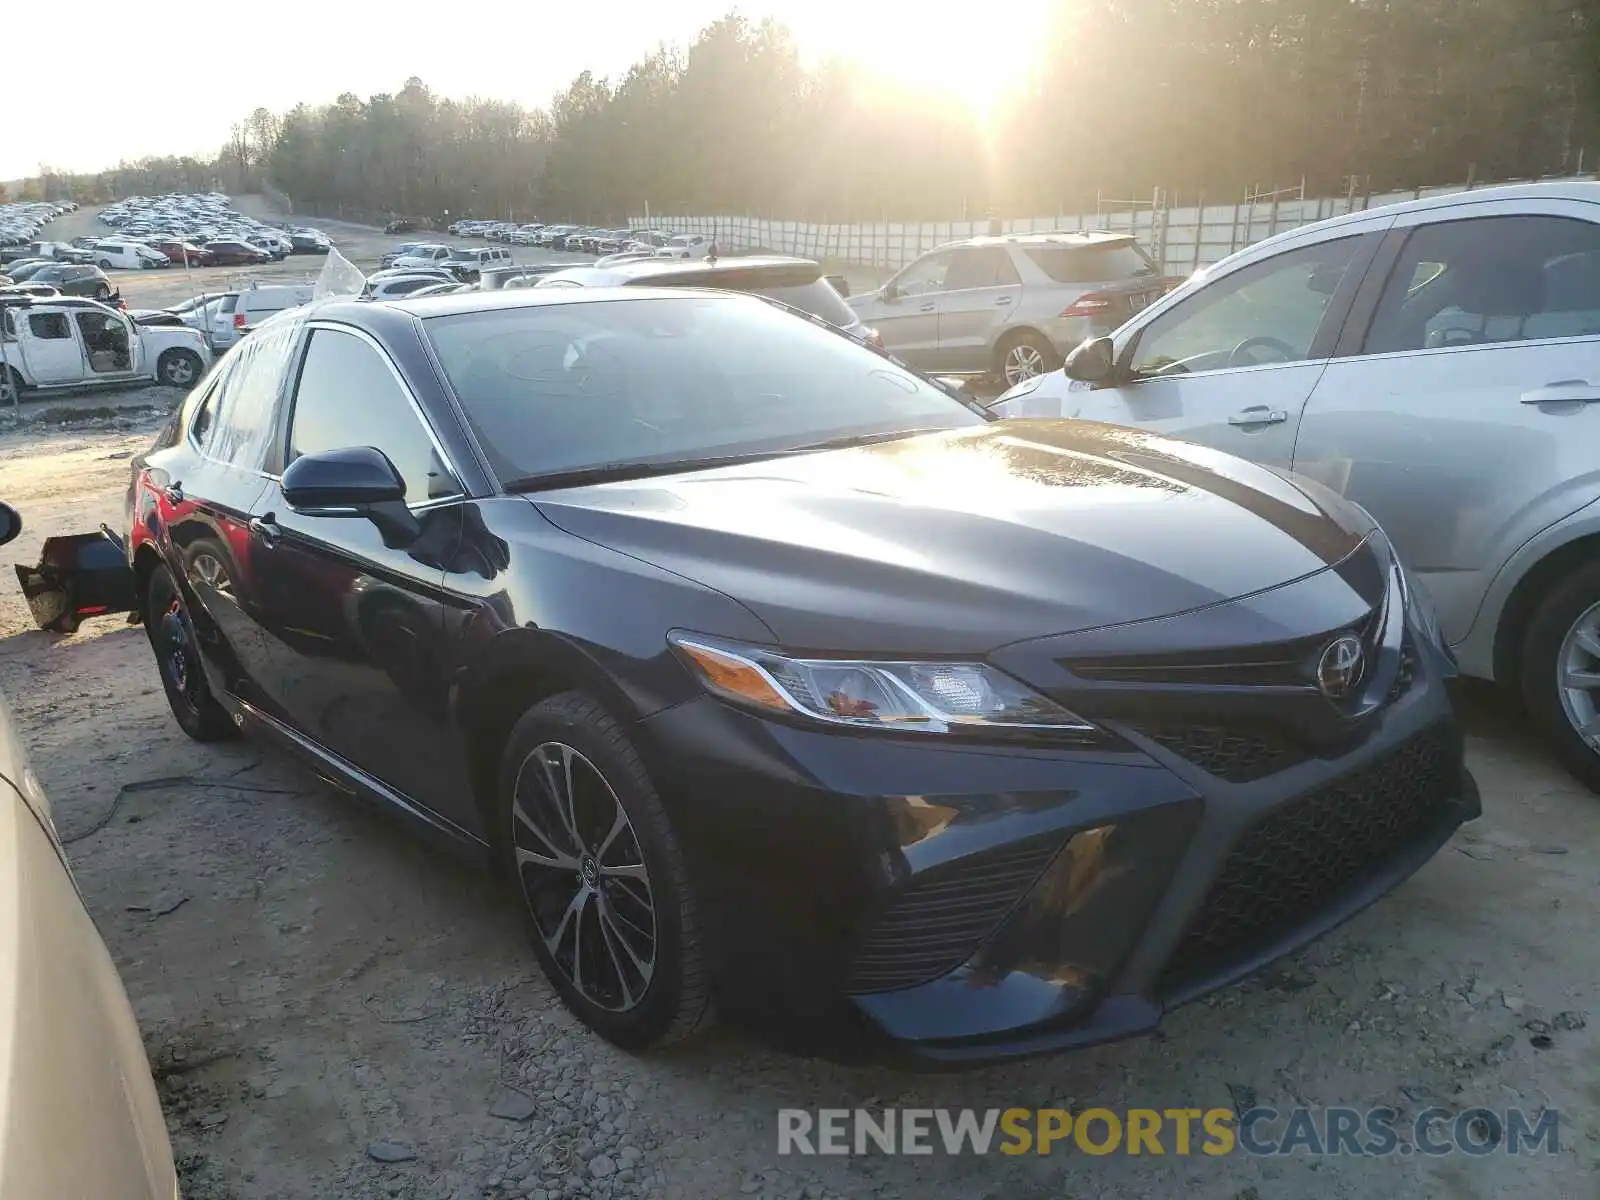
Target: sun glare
x=946 y=53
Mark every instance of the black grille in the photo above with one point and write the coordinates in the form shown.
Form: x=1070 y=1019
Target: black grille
x=1270 y=664
x=1310 y=852
x=1235 y=753
x=941 y=919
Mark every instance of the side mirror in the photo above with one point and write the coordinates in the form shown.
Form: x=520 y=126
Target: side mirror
x=10 y=523
x=357 y=481
x=347 y=480
x=1093 y=361
x=890 y=293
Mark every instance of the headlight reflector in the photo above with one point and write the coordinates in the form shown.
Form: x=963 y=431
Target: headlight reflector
x=924 y=697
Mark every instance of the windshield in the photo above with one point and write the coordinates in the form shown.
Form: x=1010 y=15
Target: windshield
x=555 y=388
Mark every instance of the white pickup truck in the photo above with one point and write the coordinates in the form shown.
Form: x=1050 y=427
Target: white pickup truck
x=62 y=343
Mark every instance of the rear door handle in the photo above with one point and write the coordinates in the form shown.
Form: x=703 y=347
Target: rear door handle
x=266 y=530
x=1003 y=300
x=926 y=308
x=1260 y=415
x=1565 y=391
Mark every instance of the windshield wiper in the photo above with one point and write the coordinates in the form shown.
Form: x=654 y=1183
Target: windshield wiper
x=621 y=471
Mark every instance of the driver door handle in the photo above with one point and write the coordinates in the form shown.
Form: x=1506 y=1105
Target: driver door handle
x=926 y=308
x=265 y=530
x=1260 y=415
x=1565 y=391
x=1003 y=300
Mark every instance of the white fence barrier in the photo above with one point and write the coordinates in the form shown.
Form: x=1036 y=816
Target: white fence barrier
x=1188 y=237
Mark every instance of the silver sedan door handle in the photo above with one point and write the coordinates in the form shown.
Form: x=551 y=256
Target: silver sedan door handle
x=1003 y=300
x=1260 y=415
x=926 y=308
x=1565 y=391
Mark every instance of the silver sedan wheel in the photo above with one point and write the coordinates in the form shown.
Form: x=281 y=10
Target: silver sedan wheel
x=583 y=876
x=1022 y=362
x=1578 y=676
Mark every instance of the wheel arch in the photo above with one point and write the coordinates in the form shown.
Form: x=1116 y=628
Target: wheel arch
x=1524 y=598
x=513 y=672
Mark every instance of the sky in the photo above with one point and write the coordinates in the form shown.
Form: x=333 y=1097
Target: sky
x=182 y=101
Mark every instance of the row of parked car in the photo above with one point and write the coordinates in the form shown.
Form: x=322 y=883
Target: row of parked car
x=587 y=239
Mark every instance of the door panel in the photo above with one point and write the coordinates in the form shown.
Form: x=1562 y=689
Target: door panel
x=53 y=352
x=909 y=321
x=1232 y=365
x=982 y=292
x=1471 y=418
x=355 y=635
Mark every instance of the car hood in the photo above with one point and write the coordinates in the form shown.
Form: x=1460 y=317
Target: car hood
x=960 y=542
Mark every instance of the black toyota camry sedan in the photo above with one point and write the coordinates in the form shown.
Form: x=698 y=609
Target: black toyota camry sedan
x=781 y=682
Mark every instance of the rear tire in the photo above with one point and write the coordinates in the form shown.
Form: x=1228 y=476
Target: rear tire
x=102 y=292
x=1561 y=671
x=177 y=651
x=603 y=881
x=1024 y=355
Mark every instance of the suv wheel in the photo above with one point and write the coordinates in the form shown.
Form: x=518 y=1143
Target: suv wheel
x=1025 y=355
x=603 y=880
x=1561 y=671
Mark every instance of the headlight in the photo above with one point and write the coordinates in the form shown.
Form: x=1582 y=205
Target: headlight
x=920 y=697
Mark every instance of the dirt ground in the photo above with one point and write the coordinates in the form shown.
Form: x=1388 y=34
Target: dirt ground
x=315 y=987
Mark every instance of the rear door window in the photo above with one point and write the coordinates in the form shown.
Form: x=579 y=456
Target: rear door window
x=248 y=402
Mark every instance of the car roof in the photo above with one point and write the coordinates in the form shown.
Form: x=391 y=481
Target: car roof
x=1586 y=192
x=343 y=308
x=666 y=268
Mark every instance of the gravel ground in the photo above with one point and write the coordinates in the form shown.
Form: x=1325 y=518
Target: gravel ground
x=335 y=1010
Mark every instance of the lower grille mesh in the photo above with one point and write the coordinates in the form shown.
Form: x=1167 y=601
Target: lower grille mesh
x=941 y=919
x=1235 y=753
x=1312 y=851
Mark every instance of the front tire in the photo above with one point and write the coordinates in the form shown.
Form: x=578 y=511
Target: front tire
x=177 y=651
x=105 y=264
x=604 y=883
x=179 y=368
x=1561 y=671
x=1023 y=356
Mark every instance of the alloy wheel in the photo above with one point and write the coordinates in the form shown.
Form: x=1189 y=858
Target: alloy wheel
x=1022 y=362
x=583 y=876
x=1578 y=676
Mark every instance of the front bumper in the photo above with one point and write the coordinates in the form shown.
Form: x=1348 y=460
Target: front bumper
x=949 y=905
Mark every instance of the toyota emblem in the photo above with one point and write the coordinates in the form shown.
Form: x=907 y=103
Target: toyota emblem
x=1339 y=668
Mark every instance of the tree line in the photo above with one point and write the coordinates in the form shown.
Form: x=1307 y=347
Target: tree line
x=1200 y=97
